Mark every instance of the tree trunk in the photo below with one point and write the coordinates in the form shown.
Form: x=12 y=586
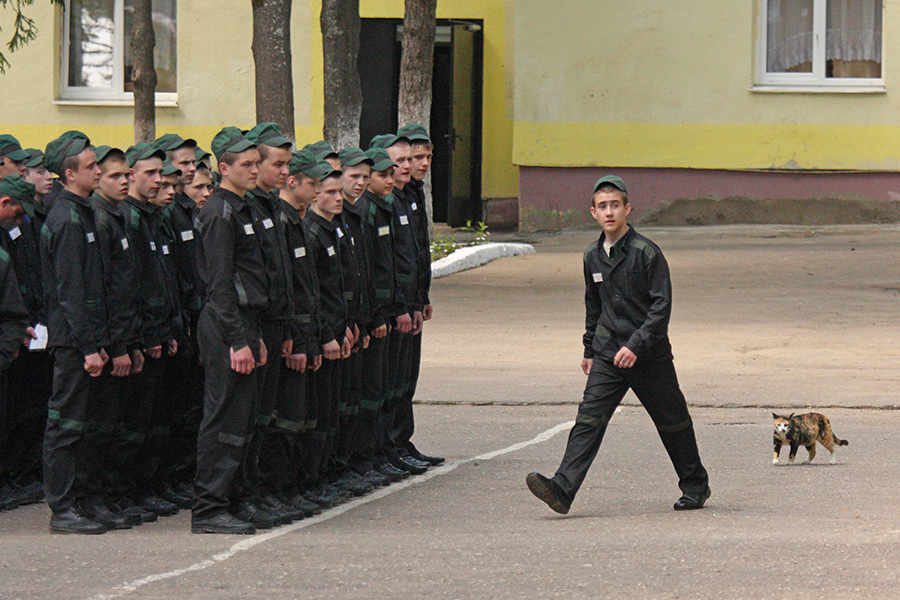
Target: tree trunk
x=272 y=59
x=343 y=95
x=416 y=69
x=143 y=79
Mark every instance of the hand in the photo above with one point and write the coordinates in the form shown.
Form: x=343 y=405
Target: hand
x=332 y=350
x=346 y=348
x=173 y=347
x=418 y=322
x=286 y=347
x=154 y=352
x=316 y=362
x=355 y=333
x=348 y=334
x=30 y=334
x=242 y=360
x=137 y=361
x=427 y=312
x=121 y=366
x=263 y=353
x=586 y=364
x=93 y=364
x=624 y=358
x=404 y=323
x=380 y=332
x=365 y=343
x=296 y=362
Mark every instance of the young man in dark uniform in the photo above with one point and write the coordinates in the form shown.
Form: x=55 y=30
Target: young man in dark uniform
x=14 y=322
x=628 y=300
x=74 y=294
x=12 y=157
x=234 y=271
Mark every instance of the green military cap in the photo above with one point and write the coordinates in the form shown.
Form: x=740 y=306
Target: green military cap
x=71 y=143
x=613 y=180
x=199 y=155
x=173 y=141
x=321 y=149
x=230 y=139
x=17 y=188
x=35 y=157
x=414 y=133
x=386 y=140
x=350 y=157
x=11 y=148
x=303 y=161
x=329 y=170
x=268 y=134
x=381 y=160
x=170 y=169
x=143 y=151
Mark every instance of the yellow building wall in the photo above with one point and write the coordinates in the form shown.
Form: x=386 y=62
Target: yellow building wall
x=668 y=84
x=216 y=81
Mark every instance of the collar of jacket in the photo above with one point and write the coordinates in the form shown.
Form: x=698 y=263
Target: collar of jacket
x=354 y=208
x=315 y=217
x=75 y=198
x=623 y=243
x=144 y=207
x=101 y=203
x=184 y=201
x=384 y=203
x=291 y=213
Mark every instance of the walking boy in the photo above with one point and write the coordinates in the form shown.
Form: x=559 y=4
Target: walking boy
x=628 y=300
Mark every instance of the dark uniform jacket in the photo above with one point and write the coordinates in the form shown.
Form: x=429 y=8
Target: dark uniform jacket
x=628 y=299
x=13 y=316
x=158 y=315
x=324 y=250
x=355 y=242
x=232 y=266
x=164 y=236
x=23 y=244
x=123 y=300
x=379 y=245
x=418 y=214
x=406 y=252
x=179 y=216
x=304 y=329
x=72 y=267
x=265 y=210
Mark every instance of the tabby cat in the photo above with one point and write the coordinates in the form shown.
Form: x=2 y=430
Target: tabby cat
x=804 y=430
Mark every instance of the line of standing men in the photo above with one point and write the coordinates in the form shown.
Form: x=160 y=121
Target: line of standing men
x=289 y=339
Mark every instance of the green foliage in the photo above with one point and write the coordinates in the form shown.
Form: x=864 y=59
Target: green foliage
x=442 y=245
x=479 y=230
x=24 y=28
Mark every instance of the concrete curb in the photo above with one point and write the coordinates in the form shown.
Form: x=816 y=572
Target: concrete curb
x=475 y=256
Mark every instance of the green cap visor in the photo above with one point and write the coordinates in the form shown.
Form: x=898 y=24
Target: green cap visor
x=71 y=143
x=230 y=139
x=304 y=162
x=35 y=158
x=12 y=149
x=350 y=157
x=268 y=134
x=414 y=133
x=381 y=160
x=612 y=180
x=17 y=188
x=143 y=151
x=173 y=141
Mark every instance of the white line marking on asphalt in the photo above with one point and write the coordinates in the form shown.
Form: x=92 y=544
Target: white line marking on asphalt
x=256 y=540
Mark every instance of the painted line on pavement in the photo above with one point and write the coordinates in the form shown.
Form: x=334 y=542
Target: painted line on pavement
x=256 y=540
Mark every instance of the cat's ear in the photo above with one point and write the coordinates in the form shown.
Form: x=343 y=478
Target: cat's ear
x=774 y=416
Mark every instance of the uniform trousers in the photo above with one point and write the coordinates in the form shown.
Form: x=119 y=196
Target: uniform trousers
x=404 y=424
x=351 y=389
x=371 y=402
x=230 y=407
x=105 y=421
x=182 y=387
x=29 y=388
x=656 y=386
x=399 y=346
x=279 y=459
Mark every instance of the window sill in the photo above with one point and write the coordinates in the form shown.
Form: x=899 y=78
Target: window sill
x=818 y=89
x=160 y=102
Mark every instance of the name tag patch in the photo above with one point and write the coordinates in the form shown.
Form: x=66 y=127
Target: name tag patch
x=330 y=250
x=248 y=229
x=386 y=230
x=268 y=224
x=340 y=233
x=165 y=249
x=124 y=242
x=90 y=237
x=404 y=220
x=300 y=252
x=153 y=246
x=414 y=206
x=187 y=235
x=15 y=232
x=598 y=277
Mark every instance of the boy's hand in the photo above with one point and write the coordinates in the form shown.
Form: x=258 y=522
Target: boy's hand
x=404 y=323
x=242 y=361
x=287 y=347
x=586 y=364
x=296 y=362
x=418 y=322
x=332 y=350
x=427 y=312
x=625 y=358
x=263 y=353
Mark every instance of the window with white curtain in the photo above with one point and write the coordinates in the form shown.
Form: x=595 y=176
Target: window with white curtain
x=820 y=43
x=96 y=61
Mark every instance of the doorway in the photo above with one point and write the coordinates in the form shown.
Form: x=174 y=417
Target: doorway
x=456 y=108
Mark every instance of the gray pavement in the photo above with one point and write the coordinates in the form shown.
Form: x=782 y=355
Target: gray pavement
x=764 y=319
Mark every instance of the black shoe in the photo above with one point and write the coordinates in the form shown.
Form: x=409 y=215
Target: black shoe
x=355 y=486
x=8 y=498
x=249 y=512
x=178 y=499
x=291 y=512
x=157 y=505
x=129 y=507
x=299 y=502
x=132 y=517
x=548 y=491
x=222 y=523
x=102 y=514
x=72 y=520
x=340 y=495
x=431 y=460
x=391 y=471
x=376 y=478
x=409 y=467
x=31 y=493
x=318 y=498
x=693 y=501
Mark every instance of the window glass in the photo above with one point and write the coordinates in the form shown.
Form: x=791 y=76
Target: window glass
x=853 y=38
x=91 y=43
x=789 y=36
x=164 y=53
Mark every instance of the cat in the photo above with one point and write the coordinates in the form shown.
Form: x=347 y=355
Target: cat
x=805 y=430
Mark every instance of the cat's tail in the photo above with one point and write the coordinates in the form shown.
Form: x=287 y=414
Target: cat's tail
x=838 y=441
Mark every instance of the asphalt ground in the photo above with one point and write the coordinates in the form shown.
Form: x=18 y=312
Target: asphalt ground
x=764 y=319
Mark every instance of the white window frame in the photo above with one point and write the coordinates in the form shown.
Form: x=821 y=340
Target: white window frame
x=77 y=95
x=815 y=81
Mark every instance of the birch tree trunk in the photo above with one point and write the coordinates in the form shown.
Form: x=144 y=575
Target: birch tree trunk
x=143 y=78
x=340 y=48
x=273 y=64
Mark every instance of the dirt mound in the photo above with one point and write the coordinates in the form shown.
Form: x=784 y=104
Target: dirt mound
x=738 y=211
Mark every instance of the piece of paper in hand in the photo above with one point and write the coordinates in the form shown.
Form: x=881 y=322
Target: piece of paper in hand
x=39 y=342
